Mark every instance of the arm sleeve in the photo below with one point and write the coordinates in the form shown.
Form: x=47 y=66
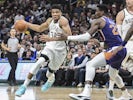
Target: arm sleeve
x=81 y=38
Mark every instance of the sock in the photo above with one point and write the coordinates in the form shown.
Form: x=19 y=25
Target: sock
x=50 y=76
x=26 y=82
x=111 y=85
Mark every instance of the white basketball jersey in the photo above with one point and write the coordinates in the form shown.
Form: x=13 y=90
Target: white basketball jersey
x=55 y=31
x=127 y=22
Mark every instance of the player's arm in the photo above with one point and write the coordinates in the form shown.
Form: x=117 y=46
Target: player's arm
x=98 y=23
x=40 y=28
x=128 y=36
x=65 y=26
x=119 y=21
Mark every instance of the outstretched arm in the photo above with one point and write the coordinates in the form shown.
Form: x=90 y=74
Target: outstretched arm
x=39 y=28
x=86 y=36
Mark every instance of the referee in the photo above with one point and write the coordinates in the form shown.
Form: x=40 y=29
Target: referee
x=11 y=45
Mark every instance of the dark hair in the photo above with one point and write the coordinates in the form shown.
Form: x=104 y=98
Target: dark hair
x=56 y=6
x=103 y=7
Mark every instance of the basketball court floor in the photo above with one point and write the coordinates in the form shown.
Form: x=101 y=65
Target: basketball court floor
x=54 y=93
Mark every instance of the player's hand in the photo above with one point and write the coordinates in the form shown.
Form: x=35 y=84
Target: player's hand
x=44 y=38
x=8 y=49
x=19 y=46
x=114 y=52
x=64 y=36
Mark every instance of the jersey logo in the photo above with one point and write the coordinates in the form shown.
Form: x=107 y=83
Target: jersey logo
x=114 y=29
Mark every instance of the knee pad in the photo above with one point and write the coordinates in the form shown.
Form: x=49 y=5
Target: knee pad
x=45 y=57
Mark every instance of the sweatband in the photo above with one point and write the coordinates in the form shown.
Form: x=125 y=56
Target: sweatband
x=124 y=43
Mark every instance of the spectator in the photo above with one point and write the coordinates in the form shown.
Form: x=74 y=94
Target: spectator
x=41 y=76
x=19 y=16
x=72 y=74
x=101 y=76
x=60 y=74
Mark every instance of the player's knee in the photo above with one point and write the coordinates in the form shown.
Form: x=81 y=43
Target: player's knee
x=45 y=57
x=89 y=66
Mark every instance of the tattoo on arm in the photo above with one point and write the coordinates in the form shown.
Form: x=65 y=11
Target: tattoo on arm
x=95 y=26
x=129 y=33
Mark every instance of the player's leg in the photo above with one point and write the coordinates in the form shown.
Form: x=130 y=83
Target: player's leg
x=113 y=73
x=96 y=62
x=115 y=63
x=55 y=63
x=51 y=79
x=109 y=94
x=34 y=69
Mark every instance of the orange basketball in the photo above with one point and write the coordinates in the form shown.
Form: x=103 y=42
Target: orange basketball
x=20 y=26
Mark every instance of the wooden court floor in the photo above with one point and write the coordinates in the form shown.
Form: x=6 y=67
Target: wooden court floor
x=54 y=93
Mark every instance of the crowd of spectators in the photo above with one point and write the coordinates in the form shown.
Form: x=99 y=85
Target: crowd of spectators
x=80 y=13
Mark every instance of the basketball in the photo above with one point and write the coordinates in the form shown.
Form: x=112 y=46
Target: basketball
x=20 y=26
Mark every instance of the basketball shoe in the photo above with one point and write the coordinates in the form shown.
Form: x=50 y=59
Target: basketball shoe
x=79 y=96
x=47 y=85
x=109 y=95
x=126 y=96
x=85 y=95
x=20 y=91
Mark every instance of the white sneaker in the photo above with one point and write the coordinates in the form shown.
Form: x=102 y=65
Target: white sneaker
x=80 y=85
x=79 y=96
x=126 y=97
x=109 y=95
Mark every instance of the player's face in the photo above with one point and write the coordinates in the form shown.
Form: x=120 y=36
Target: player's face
x=98 y=13
x=129 y=3
x=56 y=13
x=13 y=32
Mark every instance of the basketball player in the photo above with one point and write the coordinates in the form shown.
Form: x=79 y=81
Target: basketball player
x=113 y=56
x=54 y=52
x=124 y=20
